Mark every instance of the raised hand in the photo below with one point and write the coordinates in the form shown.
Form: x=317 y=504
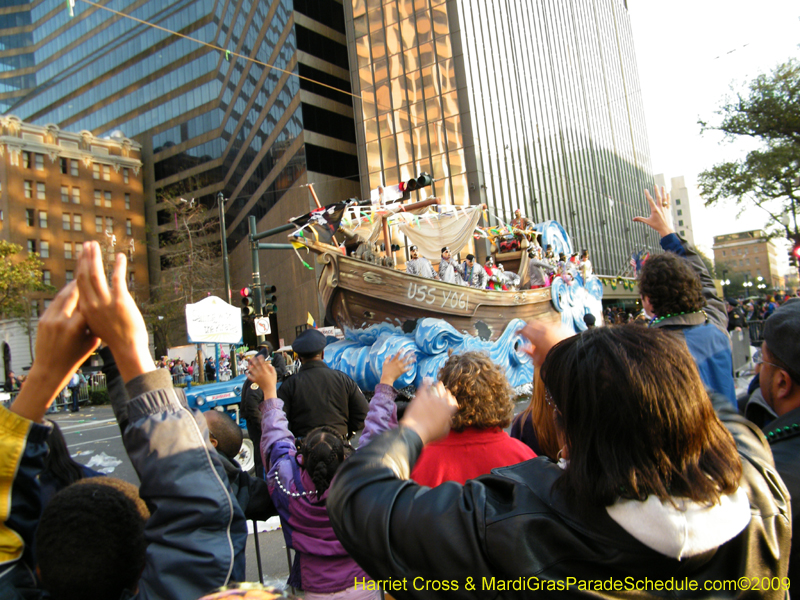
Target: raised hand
x=430 y=412
x=660 y=217
x=263 y=373
x=542 y=336
x=395 y=366
x=112 y=313
x=63 y=343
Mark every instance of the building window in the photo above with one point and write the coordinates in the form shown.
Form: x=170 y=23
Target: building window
x=28 y=189
x=69 y=276
x=77 y=223
x=98 y=198
x=96 y=171
x=110 y=224
x=747 y=261
x=43 y=219
x=40 y=190
x=29 y=217
x=680 y=223
x=31 y=246
x=76 y=195
x=108 y=199
x=128 y=228
x=39 y=158
x=98 y=224
x=683 y=233
x=35 y=308
x=73 y=168
x=678 y=202
x=65 y=193
x=756 y=260
x=65 y=222
x=127 y=201
x=46 y=277
x=26 y=160
x=125 y=175
x=65 y=166
x=723 y=253
x=741 y=262
x=47 y=304
x=78 y=249
x=68 y=250
x=680 y=212
x=44 y=249
x=107 y=172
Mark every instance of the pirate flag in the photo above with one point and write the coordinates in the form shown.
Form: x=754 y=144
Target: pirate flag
x=321 y=223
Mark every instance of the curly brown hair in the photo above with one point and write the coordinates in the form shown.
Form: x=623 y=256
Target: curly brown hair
x=671 y=285
x=481 y=389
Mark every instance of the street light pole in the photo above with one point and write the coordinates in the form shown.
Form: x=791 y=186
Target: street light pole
x=226 y=270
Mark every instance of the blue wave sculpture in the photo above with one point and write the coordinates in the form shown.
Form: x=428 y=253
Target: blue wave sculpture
x=362 y=353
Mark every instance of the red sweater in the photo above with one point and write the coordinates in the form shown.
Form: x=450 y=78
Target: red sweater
x=464 y=455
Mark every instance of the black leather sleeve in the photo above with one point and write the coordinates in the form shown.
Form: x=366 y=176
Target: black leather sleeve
x=394 y=527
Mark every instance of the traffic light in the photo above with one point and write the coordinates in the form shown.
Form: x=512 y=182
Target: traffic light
x=247 y=301
x=794 y=253
x=270 y=299
x=422 y=181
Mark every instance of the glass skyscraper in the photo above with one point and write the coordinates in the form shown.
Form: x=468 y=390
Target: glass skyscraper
x=531 y=104
x=212 y=115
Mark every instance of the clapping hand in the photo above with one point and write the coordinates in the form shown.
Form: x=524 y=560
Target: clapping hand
x=63 y=343
x=395 y=366
x=112 y=313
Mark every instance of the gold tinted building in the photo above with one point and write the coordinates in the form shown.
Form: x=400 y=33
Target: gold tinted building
x=514 y=104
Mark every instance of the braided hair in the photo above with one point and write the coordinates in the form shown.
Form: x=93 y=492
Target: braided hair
x=323 y=450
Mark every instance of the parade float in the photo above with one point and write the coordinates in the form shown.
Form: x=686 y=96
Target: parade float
x=382 y=309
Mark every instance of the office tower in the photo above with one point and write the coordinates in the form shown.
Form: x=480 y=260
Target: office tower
x=244 y=110
x=513 y=104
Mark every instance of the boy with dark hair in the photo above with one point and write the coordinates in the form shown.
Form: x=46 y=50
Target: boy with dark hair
x=83 y=511
x=252 y=493
x=679 y=295
x=197 y=532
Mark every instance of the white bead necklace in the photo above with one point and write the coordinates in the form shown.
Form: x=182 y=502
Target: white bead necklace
x=287 y=492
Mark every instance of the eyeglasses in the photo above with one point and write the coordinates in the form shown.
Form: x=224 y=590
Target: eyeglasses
x=761 y=361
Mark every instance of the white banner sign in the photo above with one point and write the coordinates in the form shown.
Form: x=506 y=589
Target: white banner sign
x=214 y=320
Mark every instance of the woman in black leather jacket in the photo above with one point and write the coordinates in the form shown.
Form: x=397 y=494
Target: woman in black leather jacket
x=655 y=493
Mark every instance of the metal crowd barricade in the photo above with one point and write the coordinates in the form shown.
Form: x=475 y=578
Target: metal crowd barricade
x=756 y=331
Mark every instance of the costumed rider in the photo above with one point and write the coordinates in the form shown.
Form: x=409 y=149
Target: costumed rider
x=419 y=265
x=495 y=280
x=511 y=279
x=448 y=268
x=521 y=226
x=585 y=265
x=473 y=274
x=539 y=271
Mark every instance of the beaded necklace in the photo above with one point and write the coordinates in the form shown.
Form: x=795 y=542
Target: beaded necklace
x=287 y=492
x=656 y=320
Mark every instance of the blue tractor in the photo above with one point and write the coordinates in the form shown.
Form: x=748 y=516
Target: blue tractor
x=225 y=396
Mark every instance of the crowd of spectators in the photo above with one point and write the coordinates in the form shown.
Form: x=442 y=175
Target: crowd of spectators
x=630 y=464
